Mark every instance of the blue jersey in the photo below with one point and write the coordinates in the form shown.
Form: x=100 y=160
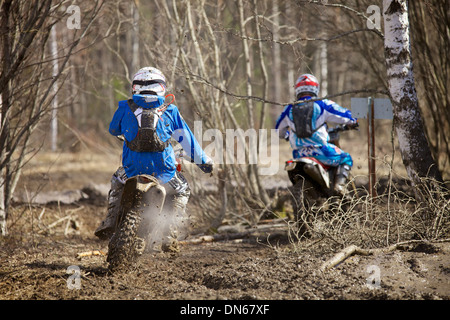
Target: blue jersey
x=317 y=145
x=171 y=124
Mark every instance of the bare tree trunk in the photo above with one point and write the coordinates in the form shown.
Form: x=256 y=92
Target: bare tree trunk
x=414 y=148
x=54 y=115
x=4 y=111
x=323 y=58
x=262 y=190
x=252 y=167
x=276 y=52
x=3 y=228
x=135 y=38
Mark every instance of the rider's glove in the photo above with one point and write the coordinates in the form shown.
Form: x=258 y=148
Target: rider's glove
x=206 y=167
x=353 y=125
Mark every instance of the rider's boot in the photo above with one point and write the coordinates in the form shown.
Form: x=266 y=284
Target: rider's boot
x=179 y=228
x=341 y=179
x=107 y=226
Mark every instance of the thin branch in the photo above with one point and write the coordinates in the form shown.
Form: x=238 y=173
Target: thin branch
x=200 y=79
x=353 y=249
x=300 y=39
x=342 y=6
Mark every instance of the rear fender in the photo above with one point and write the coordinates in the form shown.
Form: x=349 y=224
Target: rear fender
x=139 y=186
x=292 y=164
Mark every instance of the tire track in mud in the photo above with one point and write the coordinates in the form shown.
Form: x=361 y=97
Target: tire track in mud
x=34 y=266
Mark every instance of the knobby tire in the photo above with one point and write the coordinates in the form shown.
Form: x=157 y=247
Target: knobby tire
x=122 y=252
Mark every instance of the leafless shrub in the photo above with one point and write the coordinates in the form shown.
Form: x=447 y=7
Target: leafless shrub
x=374 y=222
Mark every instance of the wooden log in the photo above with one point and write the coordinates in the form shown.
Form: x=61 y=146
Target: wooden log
x=353 y=249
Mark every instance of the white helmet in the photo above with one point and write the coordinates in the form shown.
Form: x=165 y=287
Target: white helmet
x=306 y=84
x=149 y=80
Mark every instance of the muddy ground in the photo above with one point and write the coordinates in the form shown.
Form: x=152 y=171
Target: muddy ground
x=39 y=261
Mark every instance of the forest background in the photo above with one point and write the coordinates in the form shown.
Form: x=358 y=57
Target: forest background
x=230 y=65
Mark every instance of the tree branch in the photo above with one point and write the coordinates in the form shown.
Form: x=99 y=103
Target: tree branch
x=200 y=79
x=300 y=39
x=353 y=249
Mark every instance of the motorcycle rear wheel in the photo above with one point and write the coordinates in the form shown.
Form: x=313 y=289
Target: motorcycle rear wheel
x=305 y=199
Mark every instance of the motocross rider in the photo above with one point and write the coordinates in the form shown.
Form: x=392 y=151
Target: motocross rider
x=153 y=155
x=304 y=125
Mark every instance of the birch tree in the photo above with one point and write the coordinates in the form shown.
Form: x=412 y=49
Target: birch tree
x=414 y=148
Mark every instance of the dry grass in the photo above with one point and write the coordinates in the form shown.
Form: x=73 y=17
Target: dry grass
x=374 y=222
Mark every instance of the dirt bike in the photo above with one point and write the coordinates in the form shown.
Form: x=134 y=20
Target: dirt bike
x=142 y=197
x=313 y=182
x=141 y=223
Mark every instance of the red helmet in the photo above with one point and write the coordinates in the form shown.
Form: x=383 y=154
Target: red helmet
x=308 y=84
